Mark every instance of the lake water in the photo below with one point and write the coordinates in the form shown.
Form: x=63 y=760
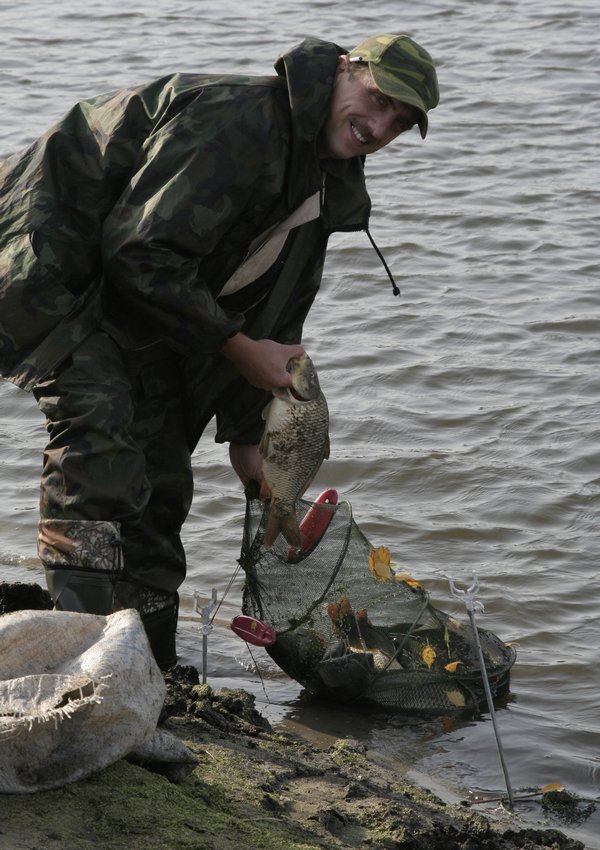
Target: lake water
x=465 y=415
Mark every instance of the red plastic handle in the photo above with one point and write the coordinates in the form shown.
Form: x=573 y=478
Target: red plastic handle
x=253 y=631
x=314 y=524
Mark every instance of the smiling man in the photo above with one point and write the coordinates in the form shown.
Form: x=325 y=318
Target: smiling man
x=160 y=248
x=384 y=87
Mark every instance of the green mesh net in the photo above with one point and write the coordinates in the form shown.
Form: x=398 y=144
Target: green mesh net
x=350 y=628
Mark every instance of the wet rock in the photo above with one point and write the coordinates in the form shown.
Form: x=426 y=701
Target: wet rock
x=333 y=821
x=226 y=709
x=20 y=596
x=568 y=807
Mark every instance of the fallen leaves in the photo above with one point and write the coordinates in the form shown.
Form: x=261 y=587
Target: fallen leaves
x=428 y=655
x=380 y=567
x=379 y=564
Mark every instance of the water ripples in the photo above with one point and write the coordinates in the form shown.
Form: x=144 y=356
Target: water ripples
x=465 y=426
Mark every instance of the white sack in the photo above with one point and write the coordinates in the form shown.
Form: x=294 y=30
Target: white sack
x=77 y=693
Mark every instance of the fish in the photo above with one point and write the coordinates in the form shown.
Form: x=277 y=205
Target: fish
x=358 y=632
x=294 y=444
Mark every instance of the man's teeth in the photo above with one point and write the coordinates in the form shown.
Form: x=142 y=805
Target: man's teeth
x=358 y=135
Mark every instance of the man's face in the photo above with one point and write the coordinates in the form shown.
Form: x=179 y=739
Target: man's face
x=361 y=119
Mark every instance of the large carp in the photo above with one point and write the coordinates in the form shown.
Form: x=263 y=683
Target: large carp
x=294 y=444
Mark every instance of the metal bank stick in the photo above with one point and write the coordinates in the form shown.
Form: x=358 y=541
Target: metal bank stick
x=470 y=604
x=206 y=628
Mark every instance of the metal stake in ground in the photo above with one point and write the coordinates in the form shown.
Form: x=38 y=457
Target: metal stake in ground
x=470 y=604
x=206 y=628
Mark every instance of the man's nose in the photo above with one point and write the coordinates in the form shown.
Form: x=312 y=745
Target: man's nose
x=382 y=127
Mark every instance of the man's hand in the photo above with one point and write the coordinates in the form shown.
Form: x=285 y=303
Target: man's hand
x=262 y=362
x=246 y=461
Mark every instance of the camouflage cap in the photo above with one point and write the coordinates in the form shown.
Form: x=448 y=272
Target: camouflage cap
x=402 y=69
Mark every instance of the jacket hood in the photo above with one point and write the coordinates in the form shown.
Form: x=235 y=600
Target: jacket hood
x=309 y=70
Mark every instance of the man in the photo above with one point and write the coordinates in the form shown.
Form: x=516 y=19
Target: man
x=159 y=251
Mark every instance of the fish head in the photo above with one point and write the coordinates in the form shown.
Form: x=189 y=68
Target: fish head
x=305 y=381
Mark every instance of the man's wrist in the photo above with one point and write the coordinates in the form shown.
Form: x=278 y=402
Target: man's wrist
x=234 y=345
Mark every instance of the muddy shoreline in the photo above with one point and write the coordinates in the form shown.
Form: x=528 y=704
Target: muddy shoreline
x=251 y=787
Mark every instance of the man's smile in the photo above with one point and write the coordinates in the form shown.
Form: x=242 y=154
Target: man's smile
x=361 y=138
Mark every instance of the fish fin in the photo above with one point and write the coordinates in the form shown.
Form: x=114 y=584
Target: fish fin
x=265 y=491
x=263 y=446
x=326 y=449
x=272 y=529
x=290 y=529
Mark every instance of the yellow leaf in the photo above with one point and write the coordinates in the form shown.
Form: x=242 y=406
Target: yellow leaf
x=407 y=579
x=383 y=554
x=553 y=786
x=428 y=655
x=456 y=698
x=451 y=667
x=379 y=563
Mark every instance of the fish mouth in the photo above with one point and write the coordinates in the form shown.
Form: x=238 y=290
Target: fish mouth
x=295 y=394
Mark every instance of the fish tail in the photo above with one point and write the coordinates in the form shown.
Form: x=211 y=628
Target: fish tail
x=286 y=525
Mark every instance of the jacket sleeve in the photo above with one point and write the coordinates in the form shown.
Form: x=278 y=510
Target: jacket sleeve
x=178 y=229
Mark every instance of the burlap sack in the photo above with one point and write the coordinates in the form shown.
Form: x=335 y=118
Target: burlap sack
x=77 y=693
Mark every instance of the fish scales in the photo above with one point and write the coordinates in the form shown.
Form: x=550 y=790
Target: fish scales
x=294 y=444
x=296 y=448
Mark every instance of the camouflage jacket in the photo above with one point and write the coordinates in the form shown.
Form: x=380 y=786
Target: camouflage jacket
x=138 y=206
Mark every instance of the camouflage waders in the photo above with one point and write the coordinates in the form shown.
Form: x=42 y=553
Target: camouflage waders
x=116 y=485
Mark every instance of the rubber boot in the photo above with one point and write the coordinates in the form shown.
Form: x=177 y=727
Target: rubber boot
x=161 y=628
x=158 y=610
x=82 y=561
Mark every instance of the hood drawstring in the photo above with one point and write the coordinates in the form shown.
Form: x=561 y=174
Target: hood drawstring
x=395 y=289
